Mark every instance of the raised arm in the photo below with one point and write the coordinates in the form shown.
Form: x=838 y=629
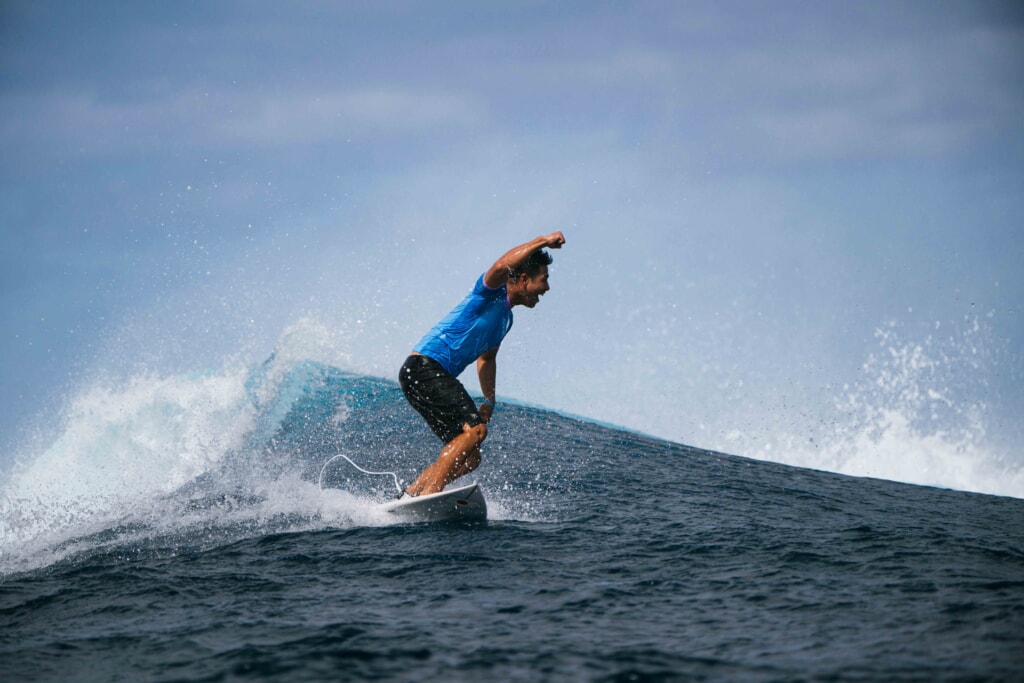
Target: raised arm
x=497 y=274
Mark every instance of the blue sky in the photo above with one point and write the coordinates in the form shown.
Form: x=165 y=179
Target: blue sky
x=750 y=192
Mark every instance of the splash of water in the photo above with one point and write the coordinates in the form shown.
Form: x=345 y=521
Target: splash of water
x=184 y=461
x=121 y=447
x=918 y=413
x=127 y=460
x=127 y=447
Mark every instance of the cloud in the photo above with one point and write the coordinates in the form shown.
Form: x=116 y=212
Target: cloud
x=68 y=122
x=886 y=100
x=625 y=66
x=830 y=133
x=306 y=117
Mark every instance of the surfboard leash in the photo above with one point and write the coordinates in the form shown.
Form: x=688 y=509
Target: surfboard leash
x=320 y=481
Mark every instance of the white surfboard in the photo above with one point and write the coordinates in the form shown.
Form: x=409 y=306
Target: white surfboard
x=465 y=503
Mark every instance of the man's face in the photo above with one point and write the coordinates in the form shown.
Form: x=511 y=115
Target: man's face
x=535 y=287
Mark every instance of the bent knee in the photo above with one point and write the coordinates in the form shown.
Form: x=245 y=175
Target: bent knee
x=479 y=431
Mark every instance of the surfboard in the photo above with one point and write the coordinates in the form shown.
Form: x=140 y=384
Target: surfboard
x=465 y=503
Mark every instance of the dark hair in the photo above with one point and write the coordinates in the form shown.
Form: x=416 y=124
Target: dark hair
x=531 y=266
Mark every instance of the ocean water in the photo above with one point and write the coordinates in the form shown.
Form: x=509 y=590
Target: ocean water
x=184 y=528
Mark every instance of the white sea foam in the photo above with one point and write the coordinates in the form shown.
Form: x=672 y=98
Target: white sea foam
x=121 y=448
x=917 y=414
x=115 y=471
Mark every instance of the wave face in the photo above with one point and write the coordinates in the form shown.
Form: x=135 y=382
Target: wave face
x=216 y=456
x=190 y=521
x=140 y=455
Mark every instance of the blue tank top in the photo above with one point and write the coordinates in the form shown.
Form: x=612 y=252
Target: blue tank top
x=476 y=325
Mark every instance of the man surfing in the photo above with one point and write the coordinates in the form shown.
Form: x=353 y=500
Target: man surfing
x=473 y=331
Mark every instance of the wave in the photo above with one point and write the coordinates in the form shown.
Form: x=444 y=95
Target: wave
x=919 y=412
x=205 y=458
x=197 y=460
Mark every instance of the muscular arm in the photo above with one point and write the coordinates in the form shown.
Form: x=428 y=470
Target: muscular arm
x=497 y=274
x=487 y=372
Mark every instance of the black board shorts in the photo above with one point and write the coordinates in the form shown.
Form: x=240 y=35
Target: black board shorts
x=440 y=398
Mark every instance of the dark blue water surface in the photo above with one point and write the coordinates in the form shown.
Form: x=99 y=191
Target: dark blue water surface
x=609 y=557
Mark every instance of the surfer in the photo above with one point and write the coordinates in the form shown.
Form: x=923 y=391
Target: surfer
x=473 y=331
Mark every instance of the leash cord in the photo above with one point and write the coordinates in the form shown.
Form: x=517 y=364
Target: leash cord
x=320 y=481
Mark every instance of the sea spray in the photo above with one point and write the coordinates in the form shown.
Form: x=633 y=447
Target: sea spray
x=190 y=459
x=918 y=413
x=194 y=460
x=120 y=448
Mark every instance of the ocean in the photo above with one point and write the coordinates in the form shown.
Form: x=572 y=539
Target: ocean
x=185 y=528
